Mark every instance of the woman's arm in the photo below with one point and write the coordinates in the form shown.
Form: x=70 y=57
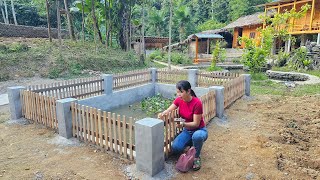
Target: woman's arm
x=171 y=108
x=195 y=123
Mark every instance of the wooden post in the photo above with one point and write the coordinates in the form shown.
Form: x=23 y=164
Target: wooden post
x=196 y=59
x=312 y=14
x=208 y=44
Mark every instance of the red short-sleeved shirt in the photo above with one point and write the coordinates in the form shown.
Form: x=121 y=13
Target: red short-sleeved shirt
x=188 y=109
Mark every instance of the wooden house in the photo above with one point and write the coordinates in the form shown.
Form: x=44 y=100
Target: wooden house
x=149 y=43
x=199 y=45
x=305 y=27
x=246 y=26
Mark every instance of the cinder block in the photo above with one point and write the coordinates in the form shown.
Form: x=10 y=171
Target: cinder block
x=149 y=137
x=108 y=83
x=219 y=90
x=154 y=74
x=193 y=77
x=64 y=117
x=247 y=84
x=15 y=104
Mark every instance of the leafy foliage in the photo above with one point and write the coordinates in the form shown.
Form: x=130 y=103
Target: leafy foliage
x=155 y=104
x=176 y=57
x=300 y=59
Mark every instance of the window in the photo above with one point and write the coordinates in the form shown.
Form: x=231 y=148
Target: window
x=252 y=35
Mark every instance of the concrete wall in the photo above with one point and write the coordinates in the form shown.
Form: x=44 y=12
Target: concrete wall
x=10 y=30
x=119 y=98
x=169 y=90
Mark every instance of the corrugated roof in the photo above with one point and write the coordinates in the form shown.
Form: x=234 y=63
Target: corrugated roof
x=246 y=21
x=212 y=36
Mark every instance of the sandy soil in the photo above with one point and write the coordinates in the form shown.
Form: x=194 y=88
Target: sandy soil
x=265 y=137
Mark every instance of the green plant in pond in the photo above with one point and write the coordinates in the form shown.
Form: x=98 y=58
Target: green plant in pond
x=155 y=104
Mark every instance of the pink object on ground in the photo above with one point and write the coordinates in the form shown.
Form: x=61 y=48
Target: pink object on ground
x=185 y=161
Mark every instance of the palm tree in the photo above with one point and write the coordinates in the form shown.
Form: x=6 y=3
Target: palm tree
x=156 y=19
x=182 y=15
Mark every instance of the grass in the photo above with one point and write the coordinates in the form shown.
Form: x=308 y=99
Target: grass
x=40 y=57
x=268 y=87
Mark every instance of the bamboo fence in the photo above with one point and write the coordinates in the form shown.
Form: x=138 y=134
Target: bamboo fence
x=171 y=76
x=207 y=79
x=76 y=88
x=106 y=130
x=131 y=79
x=233 y=90
x=209 y=106
x=39 y=108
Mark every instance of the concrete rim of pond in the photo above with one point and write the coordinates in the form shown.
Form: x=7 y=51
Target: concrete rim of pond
x=311 y=79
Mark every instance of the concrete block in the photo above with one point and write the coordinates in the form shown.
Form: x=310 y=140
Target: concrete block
x=154 y=75
x=193 y=77
x=108 y=83
x=247 y=84
x=219 y=90
x=149 y=136
x=15 y=103
x=64 y=117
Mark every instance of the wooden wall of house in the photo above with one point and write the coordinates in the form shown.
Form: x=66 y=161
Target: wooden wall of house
x=303 y=24
x=247 y=30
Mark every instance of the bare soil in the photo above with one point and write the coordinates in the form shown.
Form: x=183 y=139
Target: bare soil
x=265 y=137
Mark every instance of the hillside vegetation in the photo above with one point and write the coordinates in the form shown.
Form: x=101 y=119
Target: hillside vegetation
x=38 y=57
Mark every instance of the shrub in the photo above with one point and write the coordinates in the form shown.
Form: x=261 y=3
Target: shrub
x=300 y=60
x=282 y=58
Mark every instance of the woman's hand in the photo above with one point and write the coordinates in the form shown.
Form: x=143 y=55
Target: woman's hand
x=160 y=115
x=180 y=125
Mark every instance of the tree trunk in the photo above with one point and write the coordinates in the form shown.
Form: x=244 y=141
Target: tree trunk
x=170 y=24
x=6 y=11
x=106 y=22
x=14 y=13
x=59 y=26
x=143 y=43
x=95 y=22
x=69 y=19
x=3 y=14
x=110 y=25
x=48 y=20
x=82 y=24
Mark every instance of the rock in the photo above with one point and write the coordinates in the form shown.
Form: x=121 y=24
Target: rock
x=290 y=84
x=249 y=176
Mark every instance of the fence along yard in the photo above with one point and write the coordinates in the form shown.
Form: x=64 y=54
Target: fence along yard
x=106 y=130
x=115 y=132
x=131 y=79
x=76 y=88
x=234 y=90
x=39 y=108
x=171 y=76
x=206 y=79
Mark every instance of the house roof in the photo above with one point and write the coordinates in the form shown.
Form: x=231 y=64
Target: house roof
x=211 y=36
x=246 y=21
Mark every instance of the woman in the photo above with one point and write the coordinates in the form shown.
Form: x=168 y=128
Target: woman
x=194 y=129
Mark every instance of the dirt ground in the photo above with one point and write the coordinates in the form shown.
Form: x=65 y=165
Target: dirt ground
x=264 y=137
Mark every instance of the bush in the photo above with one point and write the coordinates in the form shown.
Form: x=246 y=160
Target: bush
x=300 y=60
x=282 y=58
x=254 y=57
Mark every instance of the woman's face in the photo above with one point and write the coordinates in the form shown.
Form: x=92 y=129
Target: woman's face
x=184 y=95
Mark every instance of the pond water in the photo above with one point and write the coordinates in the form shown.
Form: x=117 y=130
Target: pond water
x=132 y=110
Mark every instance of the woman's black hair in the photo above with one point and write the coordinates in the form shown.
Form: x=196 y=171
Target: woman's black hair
x=185 y=85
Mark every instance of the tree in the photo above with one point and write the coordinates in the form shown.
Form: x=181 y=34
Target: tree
x=182 y=16
x=5 y=20
x=69 y=20
x=13 y=13
x=48 y=20
x=170 y=26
